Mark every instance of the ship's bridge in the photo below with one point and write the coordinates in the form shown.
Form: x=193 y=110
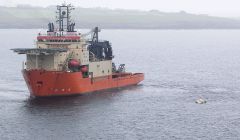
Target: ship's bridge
x=65 y=31
x=55 y=38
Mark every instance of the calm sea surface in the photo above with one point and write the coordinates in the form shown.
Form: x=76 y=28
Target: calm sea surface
x=180 y=66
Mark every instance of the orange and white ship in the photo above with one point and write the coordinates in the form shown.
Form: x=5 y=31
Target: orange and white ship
x=64 y=62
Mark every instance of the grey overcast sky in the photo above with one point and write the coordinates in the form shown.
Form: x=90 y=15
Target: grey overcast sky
x=226 y=8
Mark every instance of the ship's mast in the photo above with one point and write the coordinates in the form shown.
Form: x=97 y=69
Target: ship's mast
x=64 y=21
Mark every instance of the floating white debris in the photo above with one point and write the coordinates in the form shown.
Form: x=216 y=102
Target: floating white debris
x=200 y=101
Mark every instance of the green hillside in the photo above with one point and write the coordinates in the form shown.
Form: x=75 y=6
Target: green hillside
x=37 y=17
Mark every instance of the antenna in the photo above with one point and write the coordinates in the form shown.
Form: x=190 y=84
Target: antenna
x=64 y=19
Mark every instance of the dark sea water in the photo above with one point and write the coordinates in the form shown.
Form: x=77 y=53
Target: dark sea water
x=180 y=66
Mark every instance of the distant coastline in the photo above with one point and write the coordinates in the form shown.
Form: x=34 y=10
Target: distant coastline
x=36 y=17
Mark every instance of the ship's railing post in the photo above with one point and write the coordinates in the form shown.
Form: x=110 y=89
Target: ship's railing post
x=91 y=75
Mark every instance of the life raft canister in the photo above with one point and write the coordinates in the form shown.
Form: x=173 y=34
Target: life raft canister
x=84 y=69
x=73 y=63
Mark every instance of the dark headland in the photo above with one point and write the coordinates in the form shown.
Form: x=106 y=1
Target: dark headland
x=27 y=17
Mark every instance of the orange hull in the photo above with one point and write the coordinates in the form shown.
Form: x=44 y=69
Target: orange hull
x=50 y=83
